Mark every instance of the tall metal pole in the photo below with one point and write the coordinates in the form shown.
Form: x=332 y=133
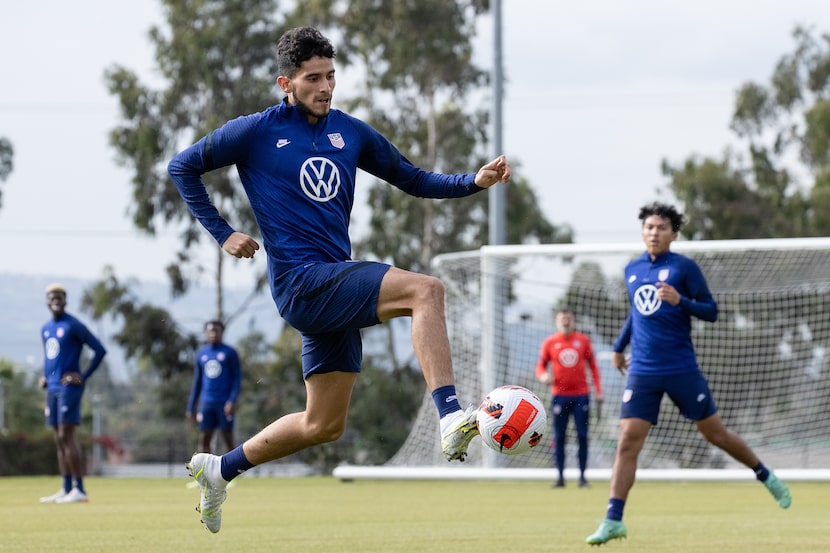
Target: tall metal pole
x=496 y=193
x=97 y=432
x=493 y=284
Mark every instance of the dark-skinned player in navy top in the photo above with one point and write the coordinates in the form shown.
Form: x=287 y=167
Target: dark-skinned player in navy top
x=217 y=378
x=64 y=338
x=297 y=162
x=666 y=290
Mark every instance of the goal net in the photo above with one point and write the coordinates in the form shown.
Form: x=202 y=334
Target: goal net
x=766 y=358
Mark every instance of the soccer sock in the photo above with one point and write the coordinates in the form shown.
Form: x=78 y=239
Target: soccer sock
x=67 y=483
x=761 y=472
x=615 y=509
x=446 y=400
x=234 y=463
x=79 y=483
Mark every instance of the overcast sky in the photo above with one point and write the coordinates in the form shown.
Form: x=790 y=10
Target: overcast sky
x=597 y=94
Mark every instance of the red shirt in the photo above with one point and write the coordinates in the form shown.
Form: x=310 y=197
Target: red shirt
x=568 y=354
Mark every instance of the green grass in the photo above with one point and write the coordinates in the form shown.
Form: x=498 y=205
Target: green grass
x=327 y=516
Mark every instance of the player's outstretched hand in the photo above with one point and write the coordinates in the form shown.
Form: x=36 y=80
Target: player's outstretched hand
x=240 y=245
x=497 y=170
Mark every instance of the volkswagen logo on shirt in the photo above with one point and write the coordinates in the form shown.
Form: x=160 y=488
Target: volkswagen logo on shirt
x=53 y=348
x=568 y=357
x=213 y=368
x=319 y=179
x=646 y=301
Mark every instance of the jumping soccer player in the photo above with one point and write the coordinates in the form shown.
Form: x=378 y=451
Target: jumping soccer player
x=569 y=353
x=666 y=290
x=297 y=162
x=64 y=337
x=217 y=377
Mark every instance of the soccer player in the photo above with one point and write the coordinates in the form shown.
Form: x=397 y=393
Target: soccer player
x=217 y=377
x=569 y=353
x=297 y=162
x=666 y=290
x=64 y=337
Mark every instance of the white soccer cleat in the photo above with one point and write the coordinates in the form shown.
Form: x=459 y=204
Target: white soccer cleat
x=206 y=469
x=74 y=496
x=54 y=497
x=457 y=430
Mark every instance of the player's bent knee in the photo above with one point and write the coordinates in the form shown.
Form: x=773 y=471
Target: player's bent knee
x=326 y=432
x=431 y=289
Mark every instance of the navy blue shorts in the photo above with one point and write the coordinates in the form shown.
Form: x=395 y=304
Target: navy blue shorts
x=328 y=305
x=688 y=391
x=212 y=416
x=63 y=406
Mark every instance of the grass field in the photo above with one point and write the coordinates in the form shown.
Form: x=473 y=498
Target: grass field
x=327 y=516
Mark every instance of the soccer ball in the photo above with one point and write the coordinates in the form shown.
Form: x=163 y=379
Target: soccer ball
x=511 y=420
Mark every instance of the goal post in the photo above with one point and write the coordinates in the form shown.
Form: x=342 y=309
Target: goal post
x=767 y=358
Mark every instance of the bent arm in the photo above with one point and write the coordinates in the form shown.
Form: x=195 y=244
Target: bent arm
x=223 y=147
x=98 y=354
x=700 y=302
x=186 y=170
x=594 y=366
x=383 y=160
x=624 y=337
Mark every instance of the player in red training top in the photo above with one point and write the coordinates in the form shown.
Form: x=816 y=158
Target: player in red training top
x=568 y=352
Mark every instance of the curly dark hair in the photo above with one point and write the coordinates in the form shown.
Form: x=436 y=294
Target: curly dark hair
x=665 y=211
x=301 y=44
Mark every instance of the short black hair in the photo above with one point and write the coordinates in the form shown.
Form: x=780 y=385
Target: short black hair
x=301 y=44
x=216 y=322
x=665 y=211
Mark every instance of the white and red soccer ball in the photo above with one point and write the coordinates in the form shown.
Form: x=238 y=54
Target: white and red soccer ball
x=511 y=420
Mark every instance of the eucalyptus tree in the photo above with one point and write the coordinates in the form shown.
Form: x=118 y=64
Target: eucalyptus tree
x=149 y=335
x=780 y=186
x=216 y=61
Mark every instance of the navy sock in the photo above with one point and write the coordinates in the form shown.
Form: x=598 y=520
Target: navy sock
x=615 y=509
x=761 y=472
x=67 y=483
x=79 y=483
x=234 y=463
x=445 y=400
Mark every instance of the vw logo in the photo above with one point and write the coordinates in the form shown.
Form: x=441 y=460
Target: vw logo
x=319 y=179
x=646 y=301
x=53 y=348
x=568 y=357
x=213 y=368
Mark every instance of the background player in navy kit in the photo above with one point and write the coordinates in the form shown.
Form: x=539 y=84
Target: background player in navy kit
x=64 y=337
x=666 y=290
x=217 y=377
x=297 y=163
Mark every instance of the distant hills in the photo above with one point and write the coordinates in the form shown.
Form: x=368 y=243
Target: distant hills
x=23 y=308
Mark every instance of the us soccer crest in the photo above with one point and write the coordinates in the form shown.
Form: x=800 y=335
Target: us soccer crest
x=336 y=140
